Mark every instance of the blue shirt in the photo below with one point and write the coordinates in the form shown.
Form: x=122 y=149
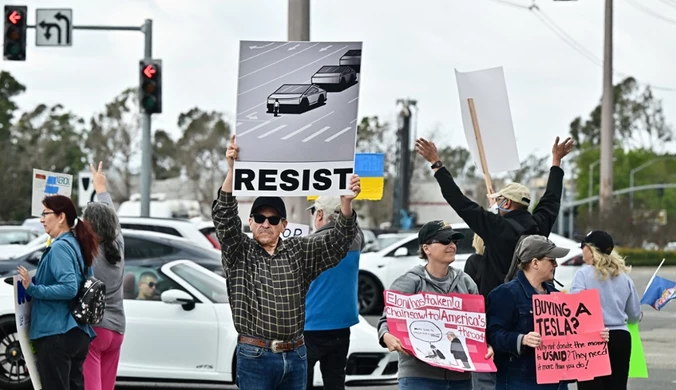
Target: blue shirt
x=331 y=302
x=56 y=283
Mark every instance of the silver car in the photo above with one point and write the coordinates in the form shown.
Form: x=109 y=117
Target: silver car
x=334 y=75
x=301 y=96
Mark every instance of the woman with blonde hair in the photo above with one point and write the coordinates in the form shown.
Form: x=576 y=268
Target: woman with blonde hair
x=606 y=271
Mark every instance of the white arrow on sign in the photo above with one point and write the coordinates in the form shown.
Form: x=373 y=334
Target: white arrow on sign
x=252 y=116
x=261 y=47
x=294 y=47
x=325 y=48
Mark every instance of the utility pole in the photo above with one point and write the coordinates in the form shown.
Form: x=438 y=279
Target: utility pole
x=403 y=180
x=147 y=147
x=298 y=30
x=607 y=123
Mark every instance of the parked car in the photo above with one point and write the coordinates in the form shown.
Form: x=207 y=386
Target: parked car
x=378 y=270
x=141 y=248
x=17 y=235
x=297 y=96
x=334 y=75
x=352 y=58
x=187 y=334
x=175 y=227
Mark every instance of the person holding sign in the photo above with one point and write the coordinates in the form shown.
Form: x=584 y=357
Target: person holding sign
x=511 y=326
x=268 y=279
x=501 y=231
x=605 y=271
x=60 y=342
x=438 y=245
x=330 y=306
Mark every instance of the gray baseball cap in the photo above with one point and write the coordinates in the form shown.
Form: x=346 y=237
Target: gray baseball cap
x=536 y=246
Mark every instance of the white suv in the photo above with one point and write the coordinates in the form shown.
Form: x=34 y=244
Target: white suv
x=174 y=227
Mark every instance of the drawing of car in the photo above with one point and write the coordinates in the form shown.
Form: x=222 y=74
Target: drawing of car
x=351 y=58
x=334 y=74
x=301 y=96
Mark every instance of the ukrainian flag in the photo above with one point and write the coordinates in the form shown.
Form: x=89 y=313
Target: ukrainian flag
x=371 y=170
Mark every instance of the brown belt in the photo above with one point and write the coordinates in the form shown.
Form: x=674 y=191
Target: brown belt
x=273 y=345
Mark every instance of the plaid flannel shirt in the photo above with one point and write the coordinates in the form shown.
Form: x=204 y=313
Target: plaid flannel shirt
x=267 y=292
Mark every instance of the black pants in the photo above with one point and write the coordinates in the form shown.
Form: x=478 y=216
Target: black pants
x=619 y=350
x=329 y=348
x=60 y=359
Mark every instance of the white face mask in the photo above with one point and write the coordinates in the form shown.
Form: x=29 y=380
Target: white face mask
x=493 y=209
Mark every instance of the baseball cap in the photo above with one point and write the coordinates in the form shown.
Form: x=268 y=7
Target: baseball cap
x=326 y=203
x=437 y=230
x=515 y=192
x=535 y=246
x=601 y=240
x=270 y=201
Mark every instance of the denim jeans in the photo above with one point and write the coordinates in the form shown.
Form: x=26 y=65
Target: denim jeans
x=412 y=383
x=261 y=369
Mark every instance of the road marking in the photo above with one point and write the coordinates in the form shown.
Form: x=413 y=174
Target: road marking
x=306 y=126
x=277 y=62
x=331 y=138
x=267 y=51
x=252 y=116
x=238 y=123
x=272 y=131
x=353 y=121
x=254 y=128
x=316 y=134
x=293 y=71
x=353 y=100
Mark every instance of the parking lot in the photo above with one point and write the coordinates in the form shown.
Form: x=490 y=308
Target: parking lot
x=658 y=333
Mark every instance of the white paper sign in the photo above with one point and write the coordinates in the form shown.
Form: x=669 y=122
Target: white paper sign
x=295 y=230
x=22 y=310
x=47 y=183
x=489 y=91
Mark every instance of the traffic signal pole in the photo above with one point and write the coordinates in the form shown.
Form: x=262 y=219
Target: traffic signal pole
x=147 y=30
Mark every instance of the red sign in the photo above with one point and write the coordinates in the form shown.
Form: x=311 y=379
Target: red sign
x=14 y=17
x=572 y=347
x=447 y=331
x=149 y=71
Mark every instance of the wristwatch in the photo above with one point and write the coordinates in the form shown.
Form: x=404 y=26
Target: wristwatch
x=437 y=164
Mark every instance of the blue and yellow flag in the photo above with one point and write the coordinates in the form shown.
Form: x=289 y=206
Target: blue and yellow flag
x=371 y=170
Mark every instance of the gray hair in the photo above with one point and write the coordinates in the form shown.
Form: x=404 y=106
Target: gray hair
x=103 y=220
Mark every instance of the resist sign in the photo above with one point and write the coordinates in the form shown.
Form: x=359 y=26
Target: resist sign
x=572 y=347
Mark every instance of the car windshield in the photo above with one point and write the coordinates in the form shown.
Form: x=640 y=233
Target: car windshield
x=292 y=89
x=390 y=239
x=212 y=287
x=14 y=237
x=331 y=69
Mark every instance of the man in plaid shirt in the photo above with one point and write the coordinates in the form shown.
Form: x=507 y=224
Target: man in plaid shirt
x=268 y=279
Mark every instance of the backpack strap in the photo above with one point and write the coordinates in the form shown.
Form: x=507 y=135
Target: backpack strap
x=77 y=259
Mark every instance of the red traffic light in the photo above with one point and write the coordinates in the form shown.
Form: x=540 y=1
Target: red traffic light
x=149 y=71
x=14 y=17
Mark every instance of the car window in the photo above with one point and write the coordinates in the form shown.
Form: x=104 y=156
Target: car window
x=411 y=246
x=137 y=248
x=16 y=237
x=151 y=228
x=210 y=287
x=145 y=284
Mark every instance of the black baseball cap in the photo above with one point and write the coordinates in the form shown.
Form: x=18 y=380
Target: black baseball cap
x=437 y=230
x=601 y=240
x=270 y=201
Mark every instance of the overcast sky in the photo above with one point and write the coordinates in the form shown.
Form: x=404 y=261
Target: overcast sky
x=410 y=49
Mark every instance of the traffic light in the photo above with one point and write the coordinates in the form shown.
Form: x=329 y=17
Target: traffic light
x=150 y=94
x=14 y=48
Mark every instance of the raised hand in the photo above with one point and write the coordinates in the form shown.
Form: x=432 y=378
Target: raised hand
x=232 y=153
x=98 y=178
x=427 y=149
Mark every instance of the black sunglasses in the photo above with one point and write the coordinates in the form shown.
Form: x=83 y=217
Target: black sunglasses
x=447 y=241
x=273 y=219
x=152 y=284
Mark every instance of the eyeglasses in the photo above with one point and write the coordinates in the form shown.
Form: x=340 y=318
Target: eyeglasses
x=152 y=284
x=446 y=242
x=47 y=213
x=273 y=219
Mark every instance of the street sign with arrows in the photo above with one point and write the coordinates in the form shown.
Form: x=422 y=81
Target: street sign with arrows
x=54 y=27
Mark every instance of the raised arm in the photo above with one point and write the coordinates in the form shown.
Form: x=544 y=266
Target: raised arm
x=226 y=216
x=547 y=210
x=327 y=250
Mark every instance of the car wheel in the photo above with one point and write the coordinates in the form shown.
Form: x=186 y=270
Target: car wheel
x=370 y=294
x=321 y=100
x=13 y=370
x=304 y=105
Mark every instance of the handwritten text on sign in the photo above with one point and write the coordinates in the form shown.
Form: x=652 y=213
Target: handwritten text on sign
x=572 y=347
x=446 y=331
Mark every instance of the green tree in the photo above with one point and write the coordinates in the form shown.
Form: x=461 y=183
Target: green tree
x=165 y=156
x=10 y=88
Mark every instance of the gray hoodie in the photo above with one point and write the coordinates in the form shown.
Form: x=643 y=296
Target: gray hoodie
x=418 y=280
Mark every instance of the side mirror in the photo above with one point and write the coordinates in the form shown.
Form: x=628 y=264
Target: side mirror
x=401 y=252
x=178 y=297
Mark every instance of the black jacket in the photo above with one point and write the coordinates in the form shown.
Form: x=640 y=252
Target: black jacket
x=500 y=233
x=472 y=265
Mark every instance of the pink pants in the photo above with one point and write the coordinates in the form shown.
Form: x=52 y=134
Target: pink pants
x=100 y=367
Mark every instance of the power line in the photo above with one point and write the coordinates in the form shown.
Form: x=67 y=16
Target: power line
x=650 y=12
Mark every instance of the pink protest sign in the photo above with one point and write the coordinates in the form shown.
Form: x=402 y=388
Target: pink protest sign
x=572 y=347
x=446 y=331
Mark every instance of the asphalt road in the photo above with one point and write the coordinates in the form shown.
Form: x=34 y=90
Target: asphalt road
x=658 y=334
x=323 y=133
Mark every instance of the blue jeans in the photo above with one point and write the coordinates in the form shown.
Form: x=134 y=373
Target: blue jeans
x=261 y=369
x=516 y=383
x=412 y=383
